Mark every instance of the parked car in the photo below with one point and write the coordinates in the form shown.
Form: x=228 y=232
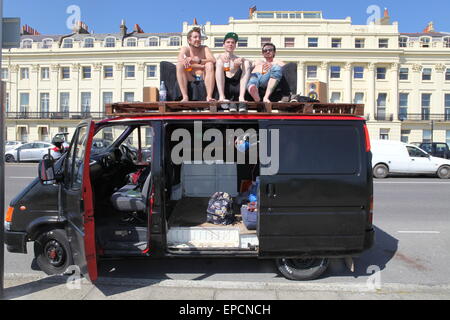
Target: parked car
x=436 y=149
x=33 y=151
x=394 y=157
x=12 y=144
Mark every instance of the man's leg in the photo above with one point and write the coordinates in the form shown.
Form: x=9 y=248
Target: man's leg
x=275 y=77
x=252 y=87
x=182 y=78
x=220 y=80
x=210 y=80
x=244 y=79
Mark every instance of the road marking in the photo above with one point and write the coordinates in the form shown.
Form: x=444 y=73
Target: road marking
x=420 y=232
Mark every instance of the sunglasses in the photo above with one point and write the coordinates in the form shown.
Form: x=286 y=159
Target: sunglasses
x=267 y=50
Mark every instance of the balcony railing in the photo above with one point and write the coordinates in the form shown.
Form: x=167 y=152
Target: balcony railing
x=424 y=117
x=384 y=117
x=55 y=115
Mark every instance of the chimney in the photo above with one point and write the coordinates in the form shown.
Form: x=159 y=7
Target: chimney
x=251 y=11
x=123 y=28
x=429 y=28
x=29 y=31
x=195 y=22
x=138 y=29
x=81 y=28
x=386 y=20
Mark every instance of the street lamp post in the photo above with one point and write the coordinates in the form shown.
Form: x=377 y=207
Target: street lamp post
x=2 y=166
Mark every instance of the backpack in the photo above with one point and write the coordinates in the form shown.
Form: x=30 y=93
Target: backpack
x=220 y=209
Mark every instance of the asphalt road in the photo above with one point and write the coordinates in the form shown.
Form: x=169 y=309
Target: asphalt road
x=412 y=219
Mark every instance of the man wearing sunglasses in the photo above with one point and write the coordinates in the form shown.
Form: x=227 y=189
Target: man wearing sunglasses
x=266 y=73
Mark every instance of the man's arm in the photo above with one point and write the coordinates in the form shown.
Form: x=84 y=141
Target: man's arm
x=182 y=55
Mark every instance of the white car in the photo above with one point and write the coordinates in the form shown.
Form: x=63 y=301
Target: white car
x=12 y=144
x=401 y=158
x=33 y=151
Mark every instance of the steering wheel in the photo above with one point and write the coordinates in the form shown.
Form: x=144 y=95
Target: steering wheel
x=128 y=154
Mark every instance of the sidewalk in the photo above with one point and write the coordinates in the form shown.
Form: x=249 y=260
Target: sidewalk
x=33 y=287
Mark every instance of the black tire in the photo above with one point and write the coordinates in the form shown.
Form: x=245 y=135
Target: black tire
x=52 y=252
x=9 y=158
x=380 y=171
x=302 y=269
x=444 y=172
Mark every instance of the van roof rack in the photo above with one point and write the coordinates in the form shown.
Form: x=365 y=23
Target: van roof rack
x=278 y=108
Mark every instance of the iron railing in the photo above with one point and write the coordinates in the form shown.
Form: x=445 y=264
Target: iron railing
x=55 y=115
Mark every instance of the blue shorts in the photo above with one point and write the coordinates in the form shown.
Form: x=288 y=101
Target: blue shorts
x=261 y=80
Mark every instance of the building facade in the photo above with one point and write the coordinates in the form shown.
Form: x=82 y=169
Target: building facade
x=53 y=81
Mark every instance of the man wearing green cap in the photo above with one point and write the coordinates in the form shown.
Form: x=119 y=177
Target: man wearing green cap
x=232 y=72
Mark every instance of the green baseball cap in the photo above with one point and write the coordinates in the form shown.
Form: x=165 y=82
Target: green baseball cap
x=231 y=35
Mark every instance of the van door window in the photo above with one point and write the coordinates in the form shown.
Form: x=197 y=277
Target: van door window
x=74 y=167
x=416 y=153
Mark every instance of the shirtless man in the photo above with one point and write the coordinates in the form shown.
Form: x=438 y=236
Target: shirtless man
x=266 y=73
x=232 y=72
x=195 y=62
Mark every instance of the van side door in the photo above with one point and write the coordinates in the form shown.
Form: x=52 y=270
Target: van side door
x=317 y=203
x=77 y=202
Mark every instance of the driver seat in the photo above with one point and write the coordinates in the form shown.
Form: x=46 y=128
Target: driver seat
x=131 y=199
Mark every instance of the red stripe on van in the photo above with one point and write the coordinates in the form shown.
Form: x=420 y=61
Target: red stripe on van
x=366 y=133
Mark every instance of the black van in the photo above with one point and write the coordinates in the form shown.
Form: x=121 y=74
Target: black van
x=149 y=192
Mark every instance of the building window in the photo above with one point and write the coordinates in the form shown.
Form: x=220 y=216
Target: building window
x=64 y=102
x=403 y=42
x=335 y=72
x=447 y=107
x=264 y=15
x=110 y=42
x=336 y=43
x=151 y=71
x=45 y=104
x=88 y=43
x=265 y=40
x=384 y=134
x=27 y=44
x=131 y=42
x=87 y=73
x=24 y=102
x=68 y=43
x=446 y=42
x=218 y=42
x=282 y=15
x=426 y=103
x=360 y=43
x=243 y=42
x=447 y=137
x=45 y=73
x=313 y=42
x=426 y=136
x=335 y=97
x=425 y=42
x=403 y=106
x=447 y=74
x=381 y=106
x=404 y=74
x=426 y=74
x=405 y=136
x=65 y=73
x=128 y=97
x=108 y=72
x=85 y=103
x=24 y=73
x=289 y=42
x=311 y=72
x=383 y=43
x=47 y=43
x=130 y=72
x=153 y=42
x=358 y=72
x=7 y=102
x=23 y=134
x=107 y=98
x=4 y=74
x=174 y=42
x=381 y=73
x=359 y=98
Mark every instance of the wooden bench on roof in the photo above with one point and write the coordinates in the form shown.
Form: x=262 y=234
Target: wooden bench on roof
x=279 y=108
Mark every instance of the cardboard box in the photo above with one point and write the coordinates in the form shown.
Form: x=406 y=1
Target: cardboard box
x=151 y=94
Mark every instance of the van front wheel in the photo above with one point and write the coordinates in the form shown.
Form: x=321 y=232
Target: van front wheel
x=380 y=171
x=444 y=172
x=52 y=252
x=302 y=269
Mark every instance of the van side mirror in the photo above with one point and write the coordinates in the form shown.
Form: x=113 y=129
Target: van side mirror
x=46 y=170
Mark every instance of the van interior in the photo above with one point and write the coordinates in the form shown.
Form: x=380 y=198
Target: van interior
x=121 y=199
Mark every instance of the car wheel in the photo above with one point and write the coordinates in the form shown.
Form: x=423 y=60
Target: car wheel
x=444 y=172
x=52 y=252
x=302 y=269
x=9 y=158
x=380 y=171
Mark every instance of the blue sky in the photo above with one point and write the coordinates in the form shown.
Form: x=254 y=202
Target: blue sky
x=102 y=16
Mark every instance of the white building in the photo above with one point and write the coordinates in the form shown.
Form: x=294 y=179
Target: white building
x=53 y=81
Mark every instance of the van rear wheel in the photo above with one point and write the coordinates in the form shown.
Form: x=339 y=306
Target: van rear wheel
x=302 y=269
x=380 y=171
x=444 y=172
x=52 y=252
